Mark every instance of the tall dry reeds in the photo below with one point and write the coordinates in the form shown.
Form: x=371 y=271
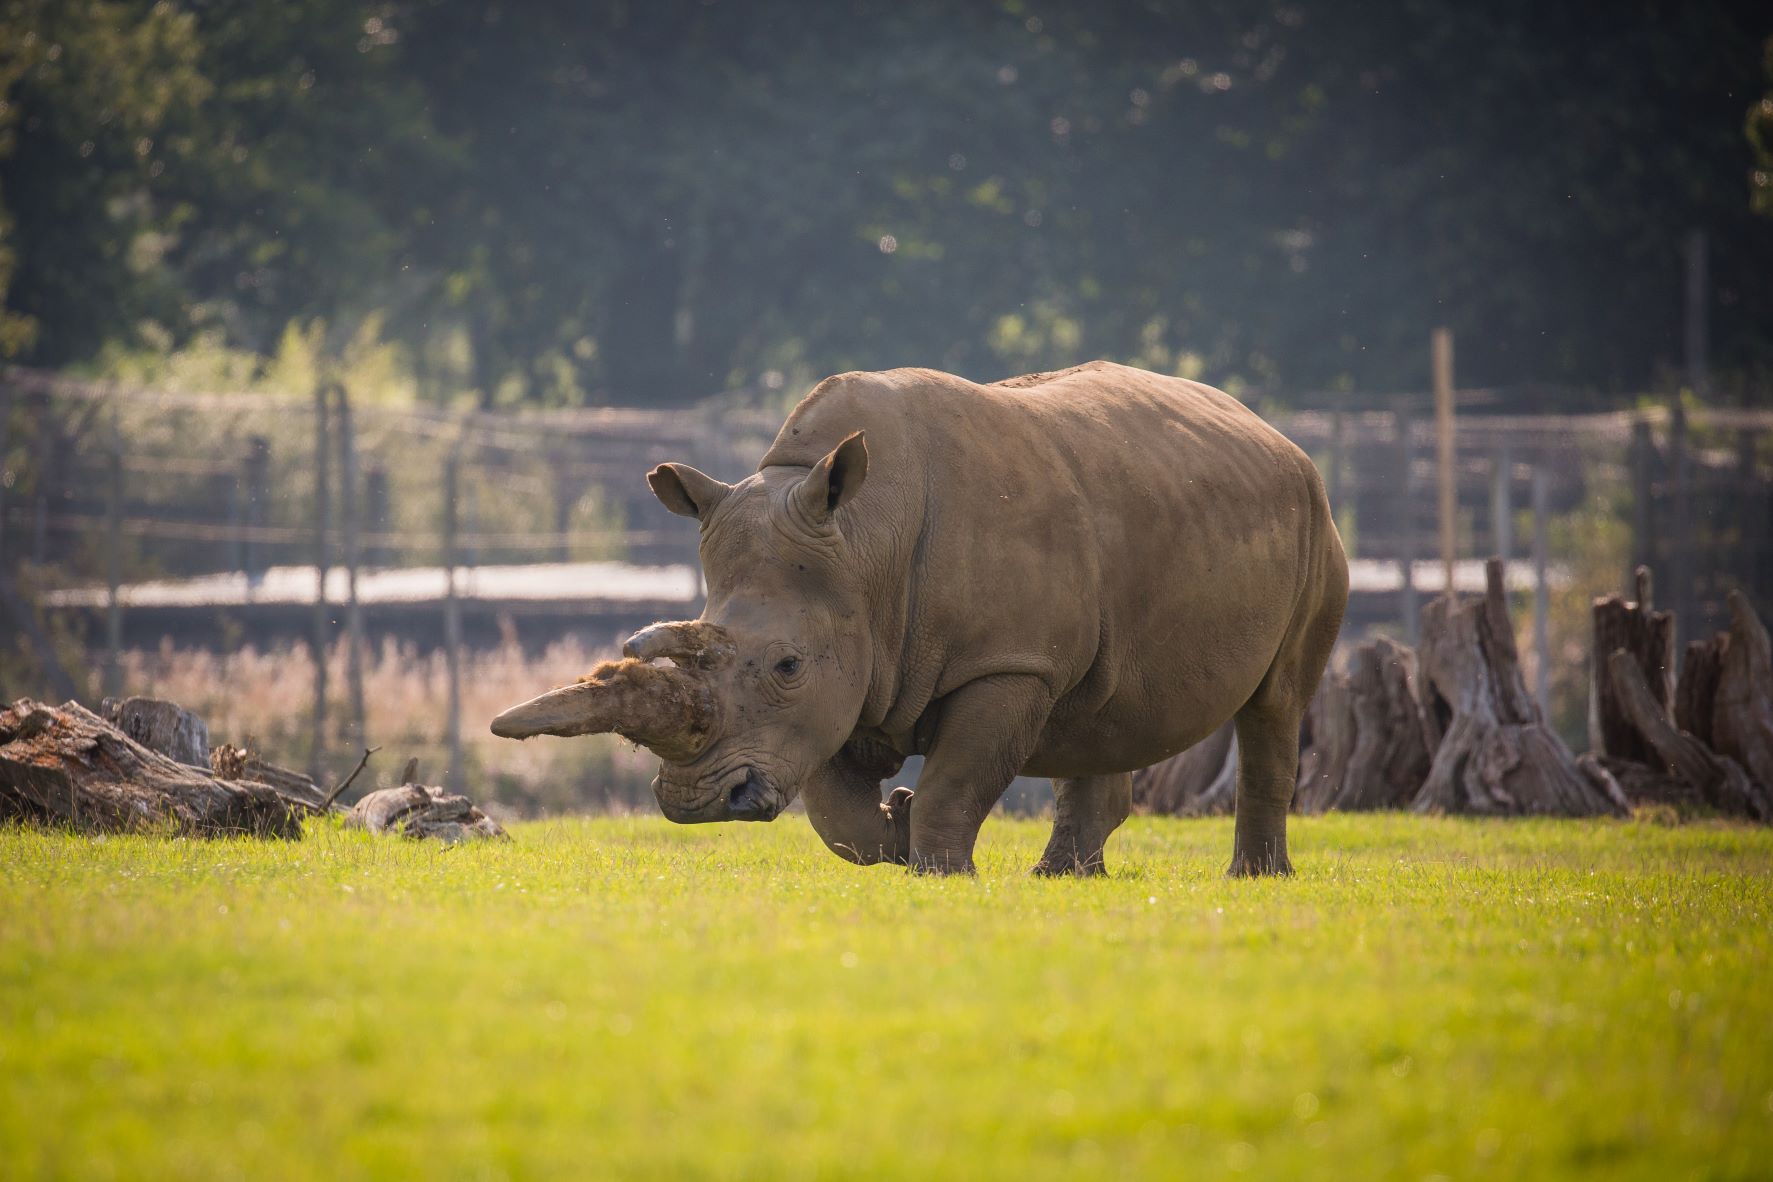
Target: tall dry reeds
x=267 y=697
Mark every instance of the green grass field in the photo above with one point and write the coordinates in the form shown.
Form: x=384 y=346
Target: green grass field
x=623 y=998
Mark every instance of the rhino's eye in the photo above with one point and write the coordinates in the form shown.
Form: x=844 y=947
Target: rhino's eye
x=788 y=666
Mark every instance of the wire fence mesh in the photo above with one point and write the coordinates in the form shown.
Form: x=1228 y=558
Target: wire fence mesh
x=175 y=542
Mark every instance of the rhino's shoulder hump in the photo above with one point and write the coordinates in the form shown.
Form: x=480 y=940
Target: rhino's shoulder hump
x=1023 y=381
x=878 y=402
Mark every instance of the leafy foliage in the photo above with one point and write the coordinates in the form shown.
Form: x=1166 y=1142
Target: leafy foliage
x=1760 y=134
x=606 y=201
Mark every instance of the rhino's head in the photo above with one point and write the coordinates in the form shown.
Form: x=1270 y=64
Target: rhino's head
x=768 y=684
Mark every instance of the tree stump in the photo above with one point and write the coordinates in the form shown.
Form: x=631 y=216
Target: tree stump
x=1369 y=744
x=1696 y=691
x=1198 y=782
x=1742 y=708
x=1640 y=784
x=1648 y=636
x=66 y=766
x=1497 y=756
x=160 y=726
x=1326 y=742
x=1719 y=780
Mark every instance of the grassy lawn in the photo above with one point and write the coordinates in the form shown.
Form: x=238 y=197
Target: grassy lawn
x=626 y=998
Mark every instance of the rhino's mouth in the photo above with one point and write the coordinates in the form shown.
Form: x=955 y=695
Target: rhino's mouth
x=743 y=794
x=753 y=798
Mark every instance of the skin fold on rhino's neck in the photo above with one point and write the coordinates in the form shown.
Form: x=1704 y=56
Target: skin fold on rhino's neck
x=889 y=551
x=885 y=531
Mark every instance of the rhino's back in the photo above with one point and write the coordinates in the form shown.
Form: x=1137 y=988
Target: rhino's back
x=1139 y=540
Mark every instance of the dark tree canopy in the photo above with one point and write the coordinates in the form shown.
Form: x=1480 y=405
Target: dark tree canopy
x=652 y=202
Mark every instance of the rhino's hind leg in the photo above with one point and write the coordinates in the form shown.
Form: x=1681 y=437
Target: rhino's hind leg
x=1086 y=809
x=1268 y=724
x=1268 y=764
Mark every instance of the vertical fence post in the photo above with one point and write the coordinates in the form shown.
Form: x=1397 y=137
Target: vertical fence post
x=1446 y=458
x=1502 y=505
x=1751 y=527
x=1642 y=460
x=1541 y=591
x=317 y=750
x=114 y=564
x=52 y=463
x=470 y=527
x=1698 y=334
x=1338 y=439
x=1680 y=527
x=349 y=523
x=256 y=475
x=5 y=449
x=1406 y=521
x=375 y=493
x=233 y=555
x=452 y=621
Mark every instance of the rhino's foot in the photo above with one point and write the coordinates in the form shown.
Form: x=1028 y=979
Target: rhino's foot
x=1245 y=866
x=1055 y=867
x=942 y=862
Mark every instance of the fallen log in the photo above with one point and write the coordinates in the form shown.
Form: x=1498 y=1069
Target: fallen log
x=1648 y=636
x=1497 y=756
x=243 y=763
x=66 y=766
x=1198 y=782
x=420 y=811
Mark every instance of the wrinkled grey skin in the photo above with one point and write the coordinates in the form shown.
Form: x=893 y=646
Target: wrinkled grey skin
x=1071 y=575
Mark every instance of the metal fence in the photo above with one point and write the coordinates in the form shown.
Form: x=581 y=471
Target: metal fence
x=118 y=503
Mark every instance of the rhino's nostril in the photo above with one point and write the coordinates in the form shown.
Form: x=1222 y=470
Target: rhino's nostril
x=748 y=800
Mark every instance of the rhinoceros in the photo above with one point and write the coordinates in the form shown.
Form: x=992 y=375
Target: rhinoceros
x=1072 y=574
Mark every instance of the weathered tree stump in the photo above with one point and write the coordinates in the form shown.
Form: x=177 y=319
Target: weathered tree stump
x=1742 y=708
x=1497 y=755
x=1198 y=782
x=1326 y=742
x=1696 y=690
x=64 y=765
x=1640 y=784
x=420 y=811
x=1369 y=742
x=160 y=726
x=1719 y=780
x=1648 y=636
x=1724 y=698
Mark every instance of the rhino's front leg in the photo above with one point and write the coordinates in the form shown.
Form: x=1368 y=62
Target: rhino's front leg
x=985 y=732
x=843 y=803
x=1086 y=809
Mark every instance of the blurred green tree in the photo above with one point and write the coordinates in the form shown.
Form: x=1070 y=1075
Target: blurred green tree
x=1760 y=136
x=572 y=202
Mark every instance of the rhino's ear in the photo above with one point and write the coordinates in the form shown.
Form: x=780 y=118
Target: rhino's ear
x=833 y=480
x=685 y=491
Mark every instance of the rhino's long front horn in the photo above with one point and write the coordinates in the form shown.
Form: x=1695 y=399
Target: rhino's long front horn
x=667 y=710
